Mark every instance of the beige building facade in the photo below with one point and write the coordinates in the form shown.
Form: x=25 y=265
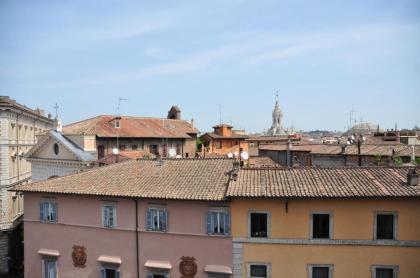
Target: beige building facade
x=19 y=126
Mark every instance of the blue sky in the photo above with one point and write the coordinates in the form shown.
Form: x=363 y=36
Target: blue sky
x=323 y=57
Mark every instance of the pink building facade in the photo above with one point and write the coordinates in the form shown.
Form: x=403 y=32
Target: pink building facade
x=124 y=250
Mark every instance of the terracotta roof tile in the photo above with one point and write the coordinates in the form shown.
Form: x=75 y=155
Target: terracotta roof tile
x=134 y=127
x=322 y=182
x=183 y=179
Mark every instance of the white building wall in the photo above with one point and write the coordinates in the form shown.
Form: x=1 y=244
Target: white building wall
x=43 y=171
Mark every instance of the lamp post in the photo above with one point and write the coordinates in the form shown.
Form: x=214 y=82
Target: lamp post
x=357 y=139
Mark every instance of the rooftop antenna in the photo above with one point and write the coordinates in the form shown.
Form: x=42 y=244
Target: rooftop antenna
x=120 y=99
x=220 y=114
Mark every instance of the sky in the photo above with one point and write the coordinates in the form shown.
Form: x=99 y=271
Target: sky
x=324 y=58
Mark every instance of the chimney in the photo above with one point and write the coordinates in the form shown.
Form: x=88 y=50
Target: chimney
x=412 y=177
x=192 y=122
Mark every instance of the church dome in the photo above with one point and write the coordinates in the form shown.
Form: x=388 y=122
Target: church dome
x=363 y=128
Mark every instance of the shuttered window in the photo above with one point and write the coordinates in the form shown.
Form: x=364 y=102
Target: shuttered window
x=218 y=222
x=157 y=219
x=384 y=273
x=48 y=211
x=109 y=216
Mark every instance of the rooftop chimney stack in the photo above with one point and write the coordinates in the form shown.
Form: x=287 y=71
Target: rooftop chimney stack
x=412 y=177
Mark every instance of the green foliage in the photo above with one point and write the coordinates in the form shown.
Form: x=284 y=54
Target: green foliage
x=398 y=161
x=417 y=161
x=200 y=143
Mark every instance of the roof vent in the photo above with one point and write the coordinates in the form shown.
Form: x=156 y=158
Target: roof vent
x=412 y=177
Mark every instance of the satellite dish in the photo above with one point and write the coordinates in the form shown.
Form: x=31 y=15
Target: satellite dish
x=178 y=156
x=115 y=151
x=235 y=154
x=230 y=155
x=244 y=155
x=172 y=153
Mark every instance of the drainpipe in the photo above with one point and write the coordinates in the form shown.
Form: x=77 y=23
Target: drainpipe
x=137 y=239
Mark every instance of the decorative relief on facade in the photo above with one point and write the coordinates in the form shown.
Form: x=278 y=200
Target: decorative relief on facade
x=79 y=256
x=188 y=267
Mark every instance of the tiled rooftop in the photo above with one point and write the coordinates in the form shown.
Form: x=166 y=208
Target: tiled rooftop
x=183 y=179
x=134 y=127
x=304 y=182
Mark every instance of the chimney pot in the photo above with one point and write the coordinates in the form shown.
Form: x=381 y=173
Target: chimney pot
x=412 y=177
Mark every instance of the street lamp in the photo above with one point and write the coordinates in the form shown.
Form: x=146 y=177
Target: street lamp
x=357 y=139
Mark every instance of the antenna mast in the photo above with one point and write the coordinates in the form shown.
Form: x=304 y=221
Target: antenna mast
x=120 y=99
x=220 y=114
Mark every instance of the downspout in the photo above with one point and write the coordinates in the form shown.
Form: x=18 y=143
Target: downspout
x=137 y=240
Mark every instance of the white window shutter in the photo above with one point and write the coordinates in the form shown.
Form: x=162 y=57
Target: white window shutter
x=54 y=212
x=117 y=274
x=102 y=273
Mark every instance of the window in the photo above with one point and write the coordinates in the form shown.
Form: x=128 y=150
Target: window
x=48 y=211
x=158 y=274
x=258 y=271
x=218 y=275
x=258 y=224
x=134 y=147
x=384 y=271
x=49 y=268
x=154 y=149
x=121 y=147
x=320 y=271
x=321 y=225
x=157 y=219
x=117 y=124
x=218 y=222
x=218 y=144
x=109 y=272
x=385 y=225
x=56 y=149
x=109 y=216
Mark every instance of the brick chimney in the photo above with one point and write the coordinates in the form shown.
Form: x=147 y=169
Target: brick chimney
x=412 y=177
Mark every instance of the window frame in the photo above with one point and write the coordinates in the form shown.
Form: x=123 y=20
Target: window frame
x=52 y=203
x=375 y=224
x=105 y=266
x=221 y=210
x=268 y=223
x=395 y=268
x=44 y=261
x=150 y=273
x=158 y=208
x=330 y=226
x=330 y=269
x=248 y=268
x=114 y=206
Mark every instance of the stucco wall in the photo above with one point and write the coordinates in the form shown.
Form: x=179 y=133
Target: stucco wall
x=352 y=220
x=79 y=223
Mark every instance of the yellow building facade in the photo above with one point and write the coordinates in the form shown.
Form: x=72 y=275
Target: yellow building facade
x=328 y=237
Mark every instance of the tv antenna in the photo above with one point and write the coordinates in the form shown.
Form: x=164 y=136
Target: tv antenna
x=220 y=114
